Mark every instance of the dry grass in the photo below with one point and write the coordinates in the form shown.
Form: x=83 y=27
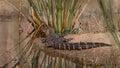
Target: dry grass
x=90 y=22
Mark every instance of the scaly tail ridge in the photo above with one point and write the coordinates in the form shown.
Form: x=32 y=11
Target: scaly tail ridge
x=78 y=46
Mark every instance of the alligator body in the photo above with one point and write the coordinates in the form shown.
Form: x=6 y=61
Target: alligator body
x=63 y=44
x=59 y=42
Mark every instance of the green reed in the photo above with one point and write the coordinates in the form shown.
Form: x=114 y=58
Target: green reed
x=61 y=15
x=107 y=8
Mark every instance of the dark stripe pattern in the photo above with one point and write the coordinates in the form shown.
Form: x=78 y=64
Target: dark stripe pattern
x=77 y=46
x=59 y=42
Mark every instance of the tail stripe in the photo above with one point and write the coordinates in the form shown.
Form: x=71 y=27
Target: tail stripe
x=64 y=46
x=69 y=47
x=73 y=46
x=79 y=46
x=83 y=45
x=60 y=47
x=86 y=44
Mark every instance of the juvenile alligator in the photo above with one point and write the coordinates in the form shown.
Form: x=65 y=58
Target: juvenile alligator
x=59 y=42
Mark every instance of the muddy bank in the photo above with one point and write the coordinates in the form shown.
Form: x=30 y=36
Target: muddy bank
x=8 y=32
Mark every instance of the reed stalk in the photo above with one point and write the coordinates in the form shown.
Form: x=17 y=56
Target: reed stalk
x=107 y=8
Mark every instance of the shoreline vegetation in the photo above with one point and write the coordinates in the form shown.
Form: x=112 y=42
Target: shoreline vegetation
x=91 y=26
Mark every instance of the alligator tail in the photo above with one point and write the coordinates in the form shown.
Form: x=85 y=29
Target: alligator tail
x=78 y=46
